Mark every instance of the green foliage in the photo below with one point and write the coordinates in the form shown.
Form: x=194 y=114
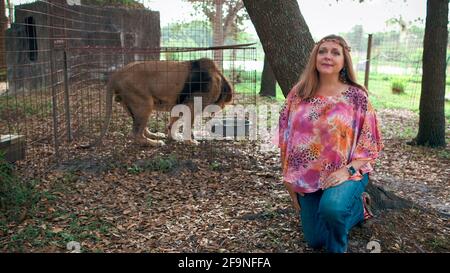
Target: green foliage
x=244 y=38
x=172 y=56
x=440 y=244
x=22 y=199
x=380 y=92
x=356 y=38
x=28 y=235
x=2 y=74
x=43 y=234
x=12 y=107
x=444 y=154
x=398 y=86
x=215 y=166
x=134 y=169
x=15 y=195
x=160 y=164
x=189 y=34
x=208 y=9
x=381 y=96
x=243 y=75
x=389 y=47
x=114 y=3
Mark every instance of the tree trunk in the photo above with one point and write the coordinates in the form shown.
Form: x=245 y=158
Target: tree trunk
x=268 y=81
x=3 y=26
x=285 y=38
x=229 y=25
x=10 y=13
x=218 y=32
x=383 y=199
x=432 y=98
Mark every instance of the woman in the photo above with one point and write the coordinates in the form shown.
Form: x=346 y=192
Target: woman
x=329 y=139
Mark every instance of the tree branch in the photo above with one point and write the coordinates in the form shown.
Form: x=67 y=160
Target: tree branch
x=231 y=16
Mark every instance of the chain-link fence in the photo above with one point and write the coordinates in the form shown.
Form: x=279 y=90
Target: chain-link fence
x=60 y=56
x=395 y=66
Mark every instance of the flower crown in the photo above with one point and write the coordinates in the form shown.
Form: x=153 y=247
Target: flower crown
x=344 y=45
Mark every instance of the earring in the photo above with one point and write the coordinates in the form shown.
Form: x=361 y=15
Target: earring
x=343 y=75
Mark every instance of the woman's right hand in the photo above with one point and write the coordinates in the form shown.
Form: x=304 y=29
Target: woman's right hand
x=296 y=204
x=293 y=196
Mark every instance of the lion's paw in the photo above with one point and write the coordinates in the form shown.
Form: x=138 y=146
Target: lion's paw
x=192 y=142
x=154 y=135
x=150 y=142
x=161 y=143
x=160 y=135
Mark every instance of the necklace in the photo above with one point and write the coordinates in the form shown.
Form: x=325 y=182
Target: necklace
x=334 y=95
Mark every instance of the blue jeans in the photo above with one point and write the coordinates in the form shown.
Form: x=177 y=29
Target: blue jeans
x=328 y=215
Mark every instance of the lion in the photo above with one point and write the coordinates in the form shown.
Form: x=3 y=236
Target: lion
x=147 y=86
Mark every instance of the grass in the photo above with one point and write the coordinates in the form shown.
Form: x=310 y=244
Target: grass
x=160 y=164
x=41 y=230
x=25 y=105
x=381 y=96
x=16 y=196
x=440 y=244
x=40 y=235
x=444 y=154
x=214 y=166
x=249 y=88
x=408 y=133
x=380 y=92
x=134 y=169
x=20 y=200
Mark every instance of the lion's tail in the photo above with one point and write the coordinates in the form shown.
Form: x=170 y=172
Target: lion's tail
x=107 y=120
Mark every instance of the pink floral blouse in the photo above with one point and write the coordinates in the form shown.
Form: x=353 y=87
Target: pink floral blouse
x=319 y=135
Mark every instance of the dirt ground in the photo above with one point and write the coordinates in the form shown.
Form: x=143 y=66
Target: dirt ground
x=215 y=197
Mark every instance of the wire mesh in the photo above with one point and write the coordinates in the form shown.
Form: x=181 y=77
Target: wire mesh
x=395 y=64
x=59 y=58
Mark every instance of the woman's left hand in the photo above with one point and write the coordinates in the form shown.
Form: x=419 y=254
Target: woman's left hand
x=336 y=178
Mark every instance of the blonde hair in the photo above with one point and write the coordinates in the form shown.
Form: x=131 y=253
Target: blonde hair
x=309 y=80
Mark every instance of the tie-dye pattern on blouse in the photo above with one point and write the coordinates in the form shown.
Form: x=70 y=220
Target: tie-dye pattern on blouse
x=322 y=134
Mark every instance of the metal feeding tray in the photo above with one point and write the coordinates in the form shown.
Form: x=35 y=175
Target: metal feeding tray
x=231 y=127
x=13 y=147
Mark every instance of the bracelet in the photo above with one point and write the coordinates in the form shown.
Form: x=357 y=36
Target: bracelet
x=351 y=170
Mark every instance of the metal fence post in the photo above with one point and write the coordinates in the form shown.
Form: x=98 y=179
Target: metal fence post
x=66 y=98
x=367 y=72
x=53 y=80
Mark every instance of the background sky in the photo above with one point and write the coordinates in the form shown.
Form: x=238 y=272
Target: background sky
x=322 y=16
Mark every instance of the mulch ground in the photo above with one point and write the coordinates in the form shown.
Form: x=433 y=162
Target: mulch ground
x=216 y=197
